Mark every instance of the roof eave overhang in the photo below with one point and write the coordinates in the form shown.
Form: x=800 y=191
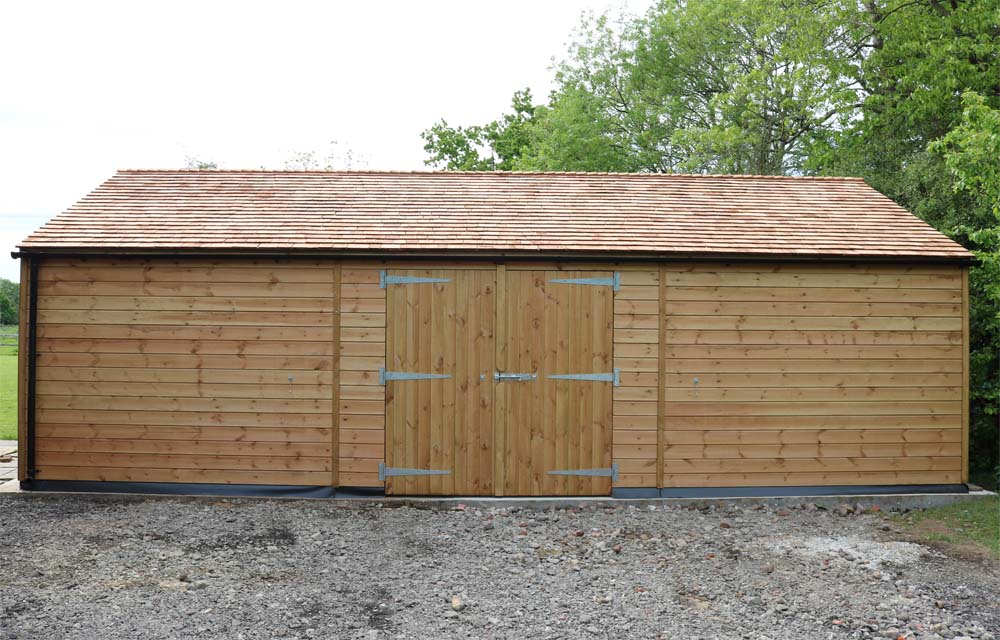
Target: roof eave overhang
x=485 y=254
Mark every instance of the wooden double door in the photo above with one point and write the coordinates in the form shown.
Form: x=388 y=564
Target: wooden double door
x=498 y=382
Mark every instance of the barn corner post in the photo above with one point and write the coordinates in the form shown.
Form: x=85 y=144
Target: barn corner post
x=966 y=417
x=26 y=348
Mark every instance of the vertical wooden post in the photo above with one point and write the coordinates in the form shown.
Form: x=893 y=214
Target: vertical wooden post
x=499 y=395
x=22 y=372
x=965 y=374
x=661 y=377
x=336 y=296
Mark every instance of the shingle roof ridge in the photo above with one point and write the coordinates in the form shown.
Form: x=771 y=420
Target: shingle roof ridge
x=482 y=173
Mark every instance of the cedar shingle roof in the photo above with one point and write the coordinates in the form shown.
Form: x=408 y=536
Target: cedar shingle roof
x=513 y=213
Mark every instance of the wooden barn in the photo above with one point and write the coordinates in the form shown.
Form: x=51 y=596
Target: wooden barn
x=491 y=334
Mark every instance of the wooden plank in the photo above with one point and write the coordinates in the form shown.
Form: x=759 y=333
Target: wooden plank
x=362 y=363
x=811 y=478
x=353 y=479
x=142 y=263
x=804 y=323
x=362 y=320
x=637 y=321
x=186 y=289
x=835 y=279
x=633 y=292
x=177 y=332
x=157 y=272
x=211 y=405
x=175 y=303
x=852 y=337
x=808 y=436
x=965 y=374
x=624 y=437
x=207 y=347
x=813 y=394
x=213 y=476
x=812 y=266
x=633 y=393
x=849 y=380
x=867 y=352
x=826 y=366
x=366 y=436
x=811 y=451
x=353 y=275
x=361 y=291
x=188 y=418
x=830 y=308
x=197 y=462
x=363 y=334
x=740 y=409
x=289 y=390
x=812 y=465
x=626 y=350
x=185 y=447
x=262 y=377
x=362 y=305
x=822 y=421
x=642 y=336
x=127 y=432
x=812 y=294
x=179 y=361
x=232 y=318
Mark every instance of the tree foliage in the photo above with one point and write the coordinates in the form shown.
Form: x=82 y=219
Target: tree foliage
x=904 y=93
x=10 y=301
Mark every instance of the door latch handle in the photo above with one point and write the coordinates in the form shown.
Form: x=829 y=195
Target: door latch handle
x=513 y=377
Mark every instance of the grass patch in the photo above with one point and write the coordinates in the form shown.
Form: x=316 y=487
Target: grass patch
x=967 y=528
x=8 y=383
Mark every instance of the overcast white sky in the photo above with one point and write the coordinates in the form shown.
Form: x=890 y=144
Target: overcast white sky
x=90 y=87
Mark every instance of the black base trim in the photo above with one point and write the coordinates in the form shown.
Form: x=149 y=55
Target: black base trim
x=360 y=492
x=626 y=493
x=179 y=488
x=785 y=492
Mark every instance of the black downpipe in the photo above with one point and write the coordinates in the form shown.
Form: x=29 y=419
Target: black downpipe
x=31 y=355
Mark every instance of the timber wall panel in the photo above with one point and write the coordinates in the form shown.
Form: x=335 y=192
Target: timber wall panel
x=812 y=375
x=162 y=370
x=362 y=399
x=636 y=349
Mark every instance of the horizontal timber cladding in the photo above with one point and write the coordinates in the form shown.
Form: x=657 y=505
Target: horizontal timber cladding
x=195 y=370
x=636 y=401
x=818 y=374
x=362 y=353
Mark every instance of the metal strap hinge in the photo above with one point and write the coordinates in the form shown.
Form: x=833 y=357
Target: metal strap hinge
x=385 y=279
x=608 y=472
x=615 y=281
x=614 y=377
x=385 y=376
x=392 y=472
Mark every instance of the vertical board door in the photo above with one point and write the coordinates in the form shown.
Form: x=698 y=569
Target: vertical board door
x=440 y=323
x=556 y=328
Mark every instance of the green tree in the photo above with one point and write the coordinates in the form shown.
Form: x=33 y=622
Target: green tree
x=495 y=146
x=971 y=151
x=10 y=300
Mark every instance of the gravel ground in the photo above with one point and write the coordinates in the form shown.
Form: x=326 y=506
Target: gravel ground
x=86 y=568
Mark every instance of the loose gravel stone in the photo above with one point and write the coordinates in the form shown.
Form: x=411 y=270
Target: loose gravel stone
x=81 y=568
